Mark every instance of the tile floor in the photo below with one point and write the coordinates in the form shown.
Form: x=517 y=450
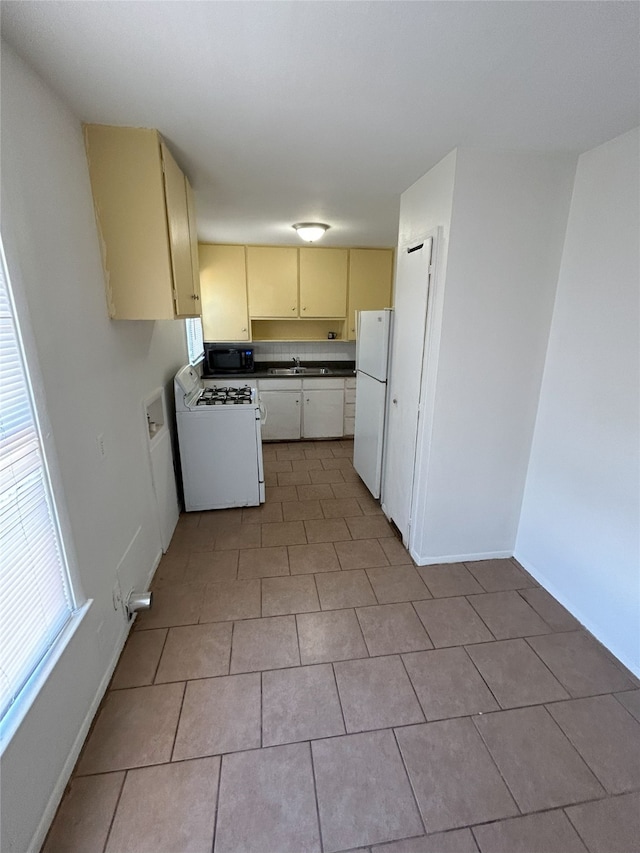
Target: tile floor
x=300 y=686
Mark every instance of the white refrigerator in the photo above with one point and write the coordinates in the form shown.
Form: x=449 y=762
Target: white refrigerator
x=372 y=357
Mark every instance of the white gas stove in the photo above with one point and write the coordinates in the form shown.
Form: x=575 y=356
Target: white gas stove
x=220 y=443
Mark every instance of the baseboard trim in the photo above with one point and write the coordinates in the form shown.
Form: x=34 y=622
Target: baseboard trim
x=430 y=560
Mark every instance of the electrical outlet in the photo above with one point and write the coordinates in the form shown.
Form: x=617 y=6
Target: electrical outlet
x=102 y=450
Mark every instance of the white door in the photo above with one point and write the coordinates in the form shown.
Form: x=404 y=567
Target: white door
x=369 y=429
x=372 y=347
x=412 y=287
x=282 y=415
x=323 y=413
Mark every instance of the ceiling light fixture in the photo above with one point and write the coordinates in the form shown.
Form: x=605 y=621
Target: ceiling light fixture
x=310 y=231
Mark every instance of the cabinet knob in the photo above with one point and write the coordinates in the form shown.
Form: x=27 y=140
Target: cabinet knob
x=304 y=309
x=244 y=330
x=294 y=308
x=195 y=296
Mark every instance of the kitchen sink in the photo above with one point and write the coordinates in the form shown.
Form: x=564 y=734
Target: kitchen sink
x=299 y=371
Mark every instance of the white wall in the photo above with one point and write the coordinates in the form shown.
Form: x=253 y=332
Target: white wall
x=96 y=373
x=507 y=228
x=578 y=531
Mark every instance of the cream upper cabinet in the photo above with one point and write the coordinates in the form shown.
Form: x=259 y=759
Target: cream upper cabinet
x=323 y=282
x=223 y=290
x=142 y=214
x=193 y=244
x=272 y=281
x=370 y=279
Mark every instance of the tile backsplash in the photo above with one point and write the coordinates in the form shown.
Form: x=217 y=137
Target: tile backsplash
x=305 y=350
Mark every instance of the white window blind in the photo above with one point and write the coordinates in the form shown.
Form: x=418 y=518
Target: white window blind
x=36 y=600
x=195 y=346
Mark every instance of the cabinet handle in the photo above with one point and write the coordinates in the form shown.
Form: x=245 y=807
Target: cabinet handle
x=294 y=308
x=195 y=296
x=305 y=308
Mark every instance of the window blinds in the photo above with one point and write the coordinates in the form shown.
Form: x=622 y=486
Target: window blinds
x=195 y=346
x=36 y=600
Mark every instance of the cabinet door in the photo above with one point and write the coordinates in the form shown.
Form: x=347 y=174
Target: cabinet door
x=223 y=290
x=370 y=277
x=179 y=237
x=272 y=280
x=282 y=419
x=193 y=245
x=323 y=414
x=323 y=282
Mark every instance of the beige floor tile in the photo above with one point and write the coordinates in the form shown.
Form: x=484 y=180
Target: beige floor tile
x=267 y=802
x=580 y=664
x=202 y=538
x=369 y=800
x=361 y=554
x=392 y=629
x=349 y=490
x=330 y=636
x=173 y=605
x=507 y=615
x=333 y=475
x=295 y=594
x=454 y=841
x=238 y=535
x=277 y=466
x=397 y=583
x=327 y=530
x=195 y=651
x=453 y=777
x=295 y=478
x=541 y=767
x=307 y=465
x=300 y=704
x=340 y=507
x=452 y=622
x=631 y=701
x=290 y=453
x=170 y=807
x=376 y=693
x=344 y=589
x=171 y=570
x=342 y=451
x=449 y=579
x=263 y=562
x=84 y=817
x=447 y=684
x=607 y=825
x=499 y=575
x=219 y=715
x=217 y=520
x=369 y=506
x=316 y=492
x=139 y=660
x=301 y=510
x=259 y=644
x=548 y=832
x=134 y=728
x=606 y=736
x=342 y=463
x=304 y=559
x=369 y=527
x=270 y=511
x=281 y=493
x=545 y=605
x=231 y=600
x=395 y=551
x=283 y=533
x=515 y=674
x=320 y=450
x=351 y=476
x=212 y=567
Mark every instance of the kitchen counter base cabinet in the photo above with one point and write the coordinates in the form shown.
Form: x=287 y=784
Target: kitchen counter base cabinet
x=146 y=224
x=302 y=408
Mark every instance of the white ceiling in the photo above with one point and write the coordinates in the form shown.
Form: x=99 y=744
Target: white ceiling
x=289 y=111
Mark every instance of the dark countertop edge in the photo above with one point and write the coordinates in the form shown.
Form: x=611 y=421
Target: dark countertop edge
x=340 y=369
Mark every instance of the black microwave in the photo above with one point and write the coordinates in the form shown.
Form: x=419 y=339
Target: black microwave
x=220 y=360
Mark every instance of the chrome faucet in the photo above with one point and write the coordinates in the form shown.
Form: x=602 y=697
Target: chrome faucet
x=296 y=361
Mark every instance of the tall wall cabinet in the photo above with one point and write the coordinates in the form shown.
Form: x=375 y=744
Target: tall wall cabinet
x=146 y=223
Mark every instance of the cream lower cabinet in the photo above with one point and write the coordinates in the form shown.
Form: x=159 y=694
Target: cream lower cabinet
x=308 y=408
x=281 y=403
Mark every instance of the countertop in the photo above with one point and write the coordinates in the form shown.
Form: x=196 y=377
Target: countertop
x=337 y=368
